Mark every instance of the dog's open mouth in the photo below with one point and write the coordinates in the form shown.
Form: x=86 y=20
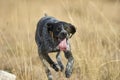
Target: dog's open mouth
x=63 y=45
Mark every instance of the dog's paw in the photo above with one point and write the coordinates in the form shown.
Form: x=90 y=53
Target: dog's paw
x=55 y=67
x=50 y=77
x=61 y=68
x=68 y=73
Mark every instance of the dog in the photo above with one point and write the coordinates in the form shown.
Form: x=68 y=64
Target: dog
x=53 y=35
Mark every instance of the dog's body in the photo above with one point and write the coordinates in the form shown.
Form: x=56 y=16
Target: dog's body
x=53 y=35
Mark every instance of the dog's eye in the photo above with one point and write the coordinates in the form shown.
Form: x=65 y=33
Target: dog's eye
x=66 y=28
x=58 y=29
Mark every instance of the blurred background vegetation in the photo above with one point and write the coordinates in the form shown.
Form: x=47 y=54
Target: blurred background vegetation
x=95 y=46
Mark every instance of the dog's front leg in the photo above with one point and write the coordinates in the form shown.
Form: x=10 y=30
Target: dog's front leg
x=70 y=63
x=50 y=61
x=47 y=70
x=58 y=57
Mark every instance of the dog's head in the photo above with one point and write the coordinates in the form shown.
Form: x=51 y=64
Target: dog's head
x=61 y=31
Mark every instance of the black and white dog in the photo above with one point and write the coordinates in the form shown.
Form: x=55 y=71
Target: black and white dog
x=53 y=35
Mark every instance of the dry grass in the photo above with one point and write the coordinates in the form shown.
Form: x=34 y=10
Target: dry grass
x=95 y=46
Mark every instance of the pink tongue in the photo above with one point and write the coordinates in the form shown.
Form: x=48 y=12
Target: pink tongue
x=63 y=45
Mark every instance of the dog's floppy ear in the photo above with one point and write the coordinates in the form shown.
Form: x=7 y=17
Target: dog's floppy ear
x=71 y=29
x=50 y=26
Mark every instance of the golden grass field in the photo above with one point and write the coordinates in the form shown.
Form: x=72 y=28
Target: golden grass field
x=95 y=46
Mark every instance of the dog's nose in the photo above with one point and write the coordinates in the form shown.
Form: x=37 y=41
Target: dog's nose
x=64 y=34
